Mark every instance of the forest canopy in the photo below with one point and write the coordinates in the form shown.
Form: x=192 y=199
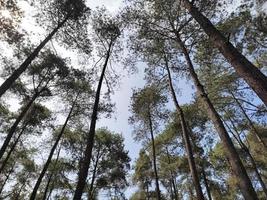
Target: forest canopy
x=133 y=99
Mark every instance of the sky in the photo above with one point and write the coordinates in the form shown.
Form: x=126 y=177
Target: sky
x=119 y=121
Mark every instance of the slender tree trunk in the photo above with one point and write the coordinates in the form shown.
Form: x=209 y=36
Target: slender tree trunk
x=174 y=190
x=238 y=168
x=154 y=158
x=251 y=124
x=255 y=167
x=37 y=184
x=252 y=160
x=172 y=177
x=147 y=192
x=52 y=189
x=171 y=190
x=47 y=186
x=186 y=138
x=176 y=196
x=244 y=68
x=94 y=175
x=50 y=176
x=15 y=75
x=206 y=183
x=85 y=162
x=50 y=192
x=12 y=149
x=7 y=177
x=22 y=187
x=12 y=130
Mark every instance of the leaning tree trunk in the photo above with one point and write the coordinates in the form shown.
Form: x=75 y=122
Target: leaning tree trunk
x=154 y=158
x=171 y=190
x=7 y=177
x=251 y=124
x=244 y=68
x=147 y=192
x=186 y=138
x=255 y=167
x=206 y=183
x=12 y=149
x=85 y=162
x=172 y=177
x=238 y=168
x=50 y=192
x=91 y=188
x=16 y=123
x=15 y=75
x=50 y=176
x=47 y=186
x=252 y=160
x=37 y=184
x=22 y=187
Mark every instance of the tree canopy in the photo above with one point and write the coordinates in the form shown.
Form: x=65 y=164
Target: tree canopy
x=139 y=100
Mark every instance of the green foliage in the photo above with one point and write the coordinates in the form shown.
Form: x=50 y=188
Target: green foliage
x=113 y=163
x=139 y=195
x=110 y=160
x=62 y=75
x=143 y=171
x=147 y=104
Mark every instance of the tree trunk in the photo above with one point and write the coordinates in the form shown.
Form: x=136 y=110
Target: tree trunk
x=15 y=75
x=147 y=192
x=21 y=188
x=206 y=183
x=91 y=188
x=171 y=190
x=85 y=162
x=172 y=177
x=7 y=177
x=252 y=160
x=251 y=124
x=16 y=123
x=50 y=177
x=12 y=149
x=255 y=167
x=244 y=68
x=238 y=168
x=47 y=186
x=154 y=159
x=185 y=133
x=50 y=192
x=37 y=184
x=174 y=190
